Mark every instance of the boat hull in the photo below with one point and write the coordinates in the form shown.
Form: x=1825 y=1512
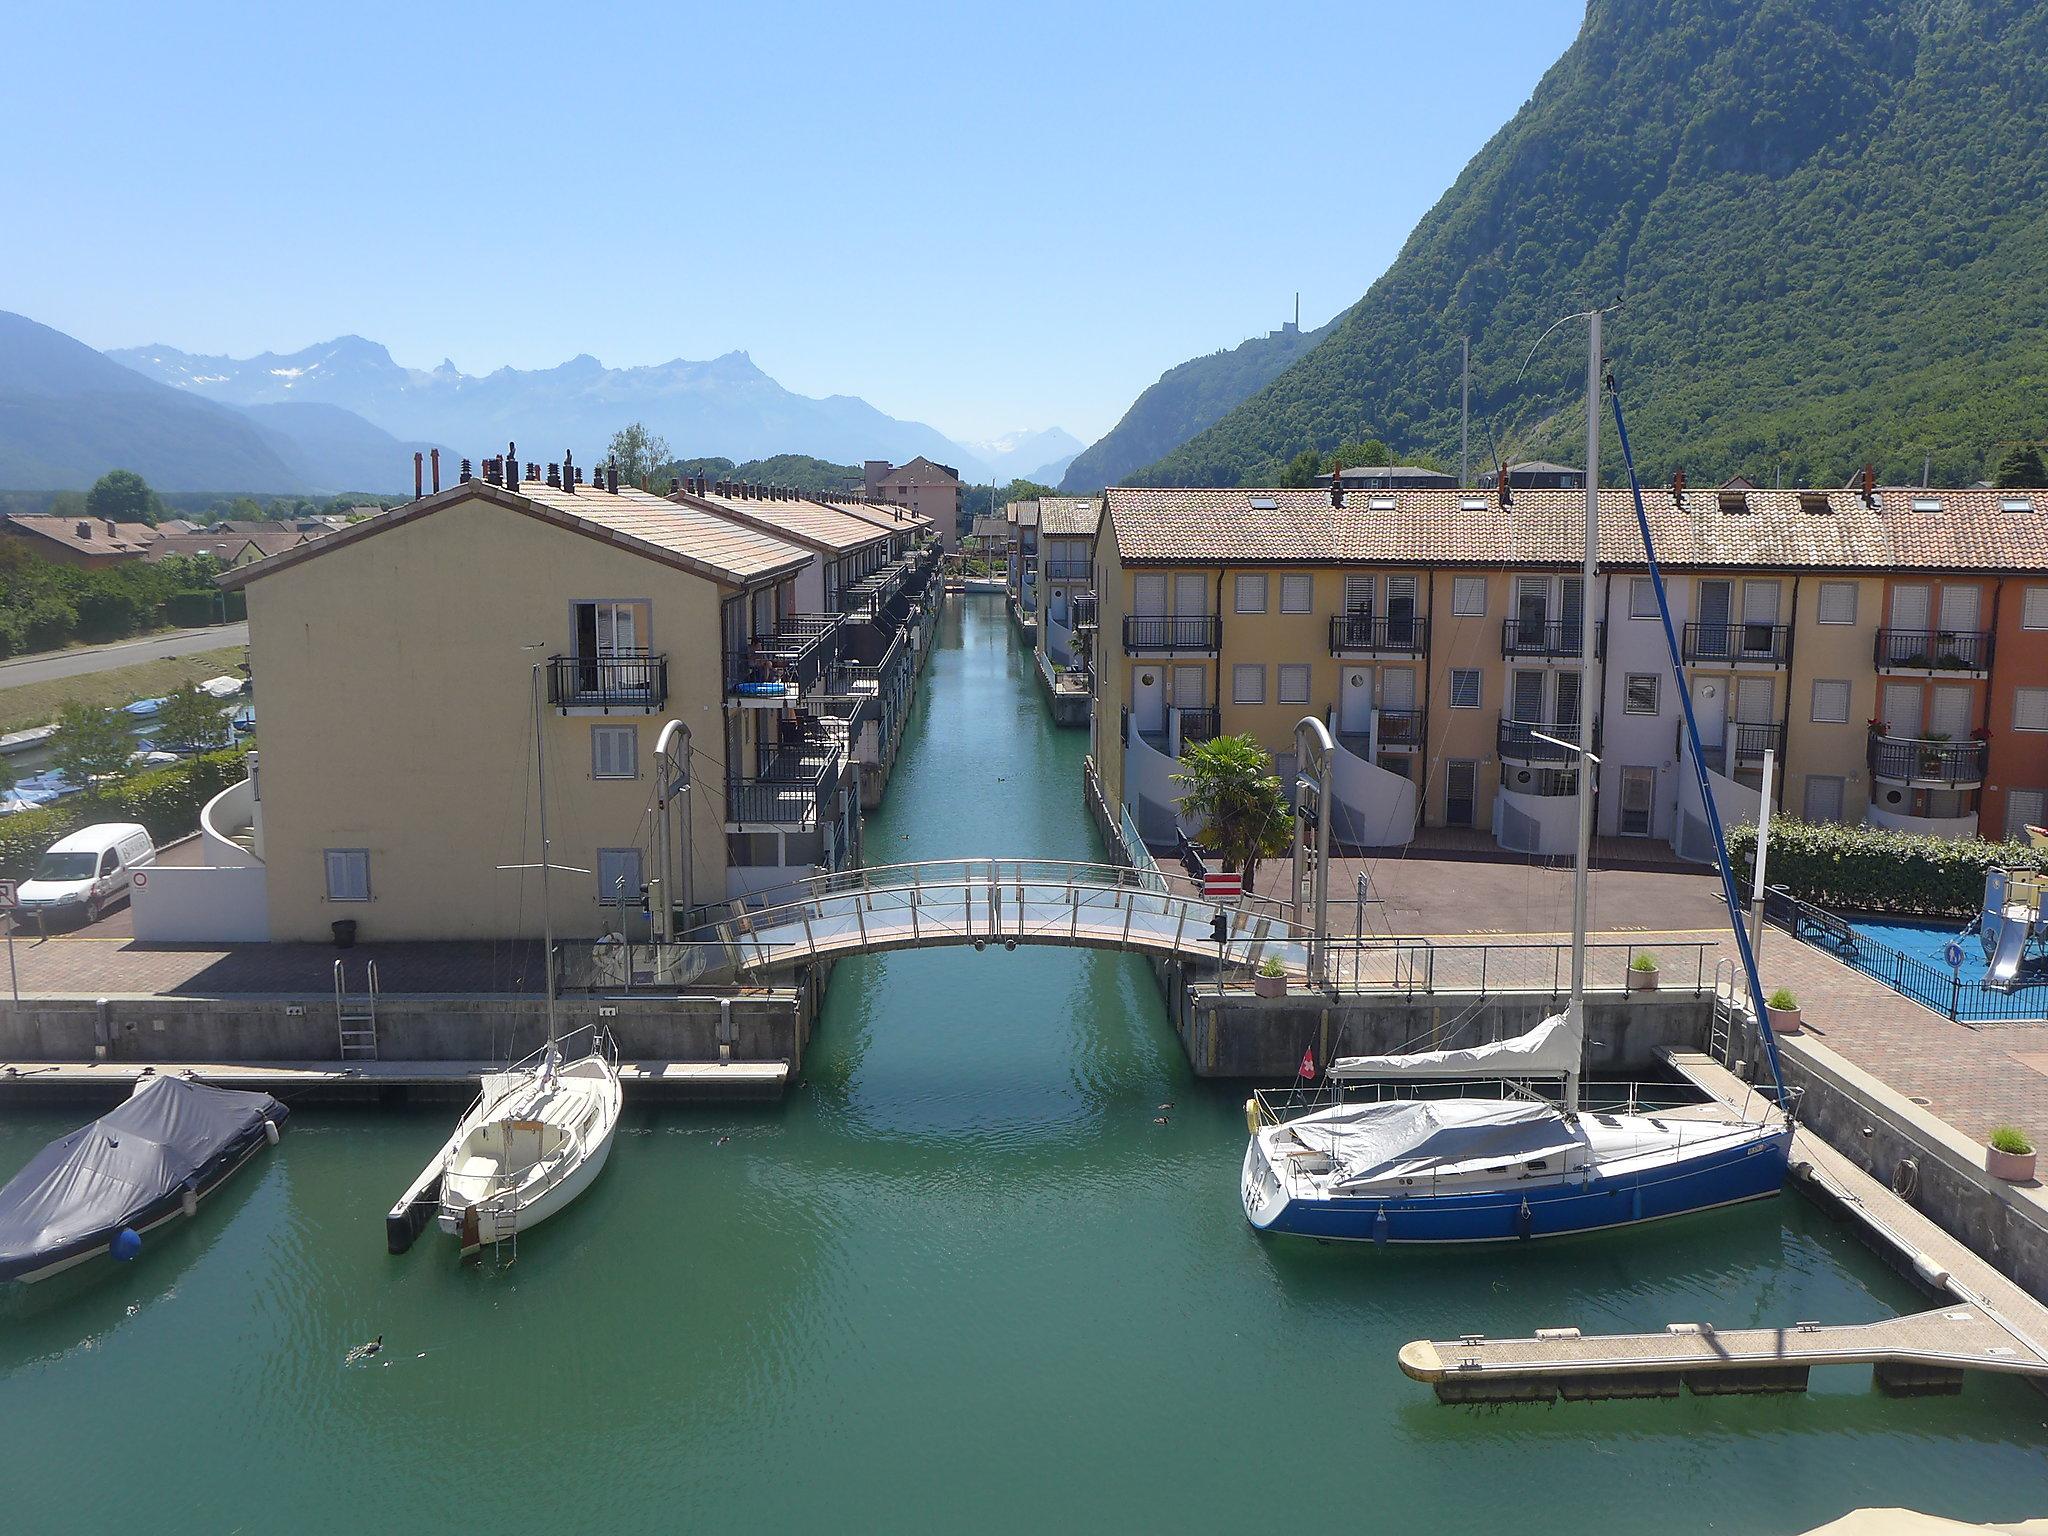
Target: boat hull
x=1729 y=1175
x=495 y=1222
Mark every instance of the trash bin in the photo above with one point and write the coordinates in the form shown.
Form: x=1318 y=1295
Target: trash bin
x=345 y=933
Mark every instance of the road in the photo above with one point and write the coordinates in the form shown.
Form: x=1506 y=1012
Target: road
x=122 y=653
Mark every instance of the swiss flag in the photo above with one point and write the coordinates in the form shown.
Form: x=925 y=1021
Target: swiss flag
x=1308 y=1063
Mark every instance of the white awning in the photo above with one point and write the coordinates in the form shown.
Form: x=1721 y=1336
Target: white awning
x=1551 y=1049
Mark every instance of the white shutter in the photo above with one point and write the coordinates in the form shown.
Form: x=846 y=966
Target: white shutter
x=1397 y=688
x=1190 y=689
x=1190 y=594
x=1759 y=602
x=1951 y=712
x=1753 y=699
x=1251 y=593
x=1148 y=594
x=1358 y=592
x=1830 y=701
x=1297 y=594
x=2030 y=709
x=1838 y=602
x=2024 y=808
x=1909 y=607
x=1823 y=798
x=1902 y=709
x=1959 y=609
x=1468 y=596
x=2034 y=609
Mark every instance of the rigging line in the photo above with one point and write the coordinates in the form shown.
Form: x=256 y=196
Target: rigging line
x=1699 y=763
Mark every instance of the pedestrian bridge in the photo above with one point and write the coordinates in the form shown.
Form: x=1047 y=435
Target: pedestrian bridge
x=955 y=902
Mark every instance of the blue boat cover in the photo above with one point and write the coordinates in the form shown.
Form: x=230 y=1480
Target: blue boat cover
x=84 y=1187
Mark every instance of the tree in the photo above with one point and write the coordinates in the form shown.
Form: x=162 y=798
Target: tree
x=639 y=454
x=192 y=720
x=1233 y=793
x=90 y=744
x=123 y=496
x=2020 y=470
x=1302 y=469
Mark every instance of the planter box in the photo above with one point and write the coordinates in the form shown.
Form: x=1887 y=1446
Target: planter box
x=1784 y=1021
x=2013 y=1167
x=1269 y=986
x=1642 y=981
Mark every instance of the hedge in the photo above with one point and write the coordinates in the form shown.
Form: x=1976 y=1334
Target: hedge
x=166 y=800
x=1871 y=869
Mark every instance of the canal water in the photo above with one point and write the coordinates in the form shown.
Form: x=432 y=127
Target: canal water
x=961 y=1279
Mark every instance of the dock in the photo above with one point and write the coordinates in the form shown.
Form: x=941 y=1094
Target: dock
x=647 y=1081
x=1988 y=1323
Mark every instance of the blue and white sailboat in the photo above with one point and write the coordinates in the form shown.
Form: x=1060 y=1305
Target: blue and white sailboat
x=1474 y=1149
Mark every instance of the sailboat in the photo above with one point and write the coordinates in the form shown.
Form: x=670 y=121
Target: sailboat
x=541 y=1130
x=1496 y=1144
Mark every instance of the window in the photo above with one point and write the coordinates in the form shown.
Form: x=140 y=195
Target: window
x=615 y=752
x=1251 y=594
x=1838 y=602
x=1468 y=596
x=1248 y=685
x=2030 y=709
x=1641 y=695
x=1823 y=798
x=348 y=874
x=1293 y=683
x=1830 y=701
x=1642 y=598
x=1464 y=688
x=2034 y=609
x=618 y=877
x=1297 y=593
x=2024 y=808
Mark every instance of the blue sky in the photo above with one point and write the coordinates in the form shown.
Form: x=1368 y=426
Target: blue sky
x=981 y=217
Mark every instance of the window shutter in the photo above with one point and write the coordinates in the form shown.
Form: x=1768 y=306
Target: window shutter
x=1830 y=701
x=1838 y=602
x=2030 y=709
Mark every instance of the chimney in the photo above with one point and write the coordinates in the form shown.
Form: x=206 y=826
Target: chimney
x=675 y=484
x=1337 y=484
x=533 y=471
x=1869 y=485
x=85 y=530
x=1678 y=484
x=568 y=473
x=555 y=477
x=512 y=467
x=113 y=529
x=611 y=478
x=1501 y=485
x=437 y=470
x=418 y=472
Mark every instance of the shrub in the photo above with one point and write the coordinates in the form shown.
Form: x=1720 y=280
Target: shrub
x=1271 y=966
x=1872 y=869
x=1643 y=962
x=1785 y=1000
x=2010 y=1138
x=166 y=800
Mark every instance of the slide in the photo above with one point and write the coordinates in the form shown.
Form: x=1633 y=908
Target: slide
x=2005 y=961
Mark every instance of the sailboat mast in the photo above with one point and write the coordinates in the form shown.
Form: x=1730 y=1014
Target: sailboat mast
x=547 y=911
x=1588 y=632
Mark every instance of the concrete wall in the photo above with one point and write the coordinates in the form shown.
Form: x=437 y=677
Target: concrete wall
x=186 y=904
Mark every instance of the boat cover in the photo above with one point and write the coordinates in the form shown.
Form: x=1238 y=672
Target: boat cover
x=1397 y=1136
x=103 y=1176
x=1551 y=1049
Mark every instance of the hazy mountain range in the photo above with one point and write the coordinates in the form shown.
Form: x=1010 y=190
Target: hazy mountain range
x=1026 y=455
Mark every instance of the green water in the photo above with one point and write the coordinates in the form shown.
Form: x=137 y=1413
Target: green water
x=960 y=1280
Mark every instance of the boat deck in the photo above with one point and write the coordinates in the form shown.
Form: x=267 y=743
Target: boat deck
x=641 y=1080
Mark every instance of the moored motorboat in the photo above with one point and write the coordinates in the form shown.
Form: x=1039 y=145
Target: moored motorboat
x=100 y=1188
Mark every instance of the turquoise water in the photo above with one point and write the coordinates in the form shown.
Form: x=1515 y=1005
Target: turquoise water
x=960 y=1280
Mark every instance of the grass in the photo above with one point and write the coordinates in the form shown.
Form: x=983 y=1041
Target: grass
x=2010 y=1138
x=33 y=704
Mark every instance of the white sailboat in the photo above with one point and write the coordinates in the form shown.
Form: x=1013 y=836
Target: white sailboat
x=541 y=1130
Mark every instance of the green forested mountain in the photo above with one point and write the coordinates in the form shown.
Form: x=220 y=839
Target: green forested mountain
x=1186 y=399
x=798 y=471
x=1827 y=221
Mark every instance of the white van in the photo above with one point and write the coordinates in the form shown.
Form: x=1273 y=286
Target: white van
x=82 y=874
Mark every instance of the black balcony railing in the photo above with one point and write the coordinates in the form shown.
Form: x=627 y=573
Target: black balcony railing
x=1066 y=570
x=1926 y=760
x=1739 y=642
x=790 y=789
x=1517 y=741
x=1173 y=632
x=1366 y=634
x=797 y=652
x=1558 y=638
x=1084 y=611
x=1198 y=725
x=632 y=680
x=1401 y=728
x=1748 y=742
x=1934 y=650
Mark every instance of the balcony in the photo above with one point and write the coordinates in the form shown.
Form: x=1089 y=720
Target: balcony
x=1084 y=611
x=1198 y=725
x=1961 y=652
x=794 y=656
x=1926 y=762
x=790 y=790
x=1767 y=645
x=1066 y=570
x=1549 y=639
x=1364 y=634
x=627 y=682
x=1517 y=743
x=1403 y=730
x=1146 y=634
x=1747 y=744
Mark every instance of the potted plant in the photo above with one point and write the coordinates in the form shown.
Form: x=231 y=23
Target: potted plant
x=1270 y=980
x=1783 y=1008
x=2009 y=1155
x=1642 y=973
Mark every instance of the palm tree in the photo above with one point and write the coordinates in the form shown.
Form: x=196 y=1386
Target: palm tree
x=1234 y=796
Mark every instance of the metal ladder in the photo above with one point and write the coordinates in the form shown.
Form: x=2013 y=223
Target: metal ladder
x=356 y=1019
x=1731 y=1008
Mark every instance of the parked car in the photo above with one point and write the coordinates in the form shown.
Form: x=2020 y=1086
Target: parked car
x=84 y=872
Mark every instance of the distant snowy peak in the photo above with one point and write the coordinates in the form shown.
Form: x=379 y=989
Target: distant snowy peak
x=1026 y=452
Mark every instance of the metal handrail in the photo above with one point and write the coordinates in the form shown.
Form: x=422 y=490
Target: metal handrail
x=1173 y=632
x=634 y=679
x=1559 y=638
x=1378 y=634
x=1914 y=759
x=1738 y=641
x=1066 y=570
x=1517 y=739
x=1933 y=650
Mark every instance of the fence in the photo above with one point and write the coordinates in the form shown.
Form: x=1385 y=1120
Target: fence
x=1411 y=966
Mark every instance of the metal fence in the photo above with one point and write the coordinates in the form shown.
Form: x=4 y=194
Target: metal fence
x=1408 y=967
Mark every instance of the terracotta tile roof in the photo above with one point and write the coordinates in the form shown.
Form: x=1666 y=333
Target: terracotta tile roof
x=922 y=471
x=1023 y=513
x=809 y=523
x=690 y=538
x=890 y=515
x=1785 y=529
x=100 y=537
x=1069 y=516
x=223 y=546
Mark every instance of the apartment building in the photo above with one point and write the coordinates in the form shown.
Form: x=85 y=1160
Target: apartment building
x=1439 y=633
x=405 y=664
x=1065 y=583
x=1020 y=581
x=90 y=543
x=930 y=489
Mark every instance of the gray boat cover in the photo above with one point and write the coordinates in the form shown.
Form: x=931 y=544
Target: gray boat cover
x=102 y=1176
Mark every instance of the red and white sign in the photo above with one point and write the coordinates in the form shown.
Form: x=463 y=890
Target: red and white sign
x=140 y=878
x=1225 y=887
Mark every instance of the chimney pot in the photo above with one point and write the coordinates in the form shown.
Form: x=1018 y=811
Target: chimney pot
x=675 y=484
x=418 y=474
x=437 y=469
x=465 y=473
x=555 y=476
x=611 y=478
x=85 y=530
x=533 y=471
x=1337 y=483
x=1869 y=484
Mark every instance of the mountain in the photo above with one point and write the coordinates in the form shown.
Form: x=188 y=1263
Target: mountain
x=1184 y=401
x=726 y=406
x=1827 y=221
x=68 y=415
x=336 y=450
x=1025 y=455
